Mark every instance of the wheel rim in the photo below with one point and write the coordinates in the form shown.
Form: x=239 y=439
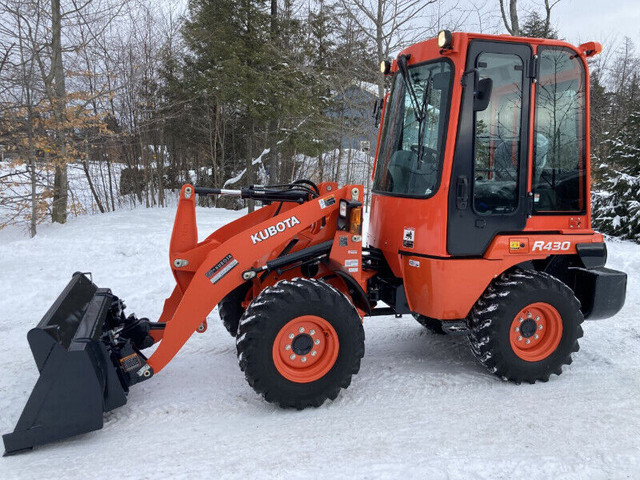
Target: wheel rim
x=536 y=332
x=305 y=349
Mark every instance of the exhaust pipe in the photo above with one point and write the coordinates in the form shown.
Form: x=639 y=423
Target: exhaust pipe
x=88 y=354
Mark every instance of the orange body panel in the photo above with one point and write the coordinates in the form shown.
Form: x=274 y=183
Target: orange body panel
x=447 y=288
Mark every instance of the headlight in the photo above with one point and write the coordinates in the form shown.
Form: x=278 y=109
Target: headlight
x=343 y=208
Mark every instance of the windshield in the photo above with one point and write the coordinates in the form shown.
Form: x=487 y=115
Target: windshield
x=413 y=133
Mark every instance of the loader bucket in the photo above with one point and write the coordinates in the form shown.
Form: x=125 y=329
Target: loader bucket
x=79 y=379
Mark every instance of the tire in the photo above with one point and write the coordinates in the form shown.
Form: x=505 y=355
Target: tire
x=525 y=326
x=230 y=308
x=431 y=324
x=324 y=321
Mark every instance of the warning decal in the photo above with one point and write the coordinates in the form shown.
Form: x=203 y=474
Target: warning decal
x=327 y=202
x=409 y=237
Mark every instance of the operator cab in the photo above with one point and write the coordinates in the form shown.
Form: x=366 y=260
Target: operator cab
x=481 y=135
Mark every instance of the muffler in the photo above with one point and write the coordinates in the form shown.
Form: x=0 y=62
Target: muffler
x=88 y=355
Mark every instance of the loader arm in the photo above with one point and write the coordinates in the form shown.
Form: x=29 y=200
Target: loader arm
x=212 y=269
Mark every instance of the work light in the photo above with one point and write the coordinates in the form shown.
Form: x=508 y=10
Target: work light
x=343 y=208
x=444 y=39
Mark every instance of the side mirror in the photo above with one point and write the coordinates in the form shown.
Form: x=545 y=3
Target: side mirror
x=377 y=111
x=482 y=95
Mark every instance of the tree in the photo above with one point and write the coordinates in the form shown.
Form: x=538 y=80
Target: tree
x=616 y=204
x=537 y=27
x=534 y=26
x=55 y=84
x=389 y=24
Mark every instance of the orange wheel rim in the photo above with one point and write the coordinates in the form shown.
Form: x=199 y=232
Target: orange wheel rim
x=536 y=332
x=305 y=349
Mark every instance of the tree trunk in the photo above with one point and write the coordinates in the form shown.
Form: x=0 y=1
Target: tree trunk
x=513 y=12
x=60 y=182
x=379 y=47
x=32 y=170
x=251 y=204
x=85 y=166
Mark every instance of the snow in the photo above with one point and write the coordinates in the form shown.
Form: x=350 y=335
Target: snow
x=421 y=406
x=255 y=161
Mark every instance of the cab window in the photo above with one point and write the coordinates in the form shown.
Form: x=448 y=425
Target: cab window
x=411 y=146
x=559 y=170
x=497 y=135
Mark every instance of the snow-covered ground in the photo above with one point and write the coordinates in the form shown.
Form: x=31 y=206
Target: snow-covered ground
x=421 y=407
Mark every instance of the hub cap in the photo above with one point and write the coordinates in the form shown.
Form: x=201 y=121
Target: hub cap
x=305 y=349
x=536 y=332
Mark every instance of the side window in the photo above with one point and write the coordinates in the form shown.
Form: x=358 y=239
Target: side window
x=497 y=135
x=559 y=170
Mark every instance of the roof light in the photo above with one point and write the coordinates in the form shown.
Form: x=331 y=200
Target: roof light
x=444 y=39
x=385 y=67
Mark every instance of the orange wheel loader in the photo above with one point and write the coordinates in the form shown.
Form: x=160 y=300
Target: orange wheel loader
x=479 y=225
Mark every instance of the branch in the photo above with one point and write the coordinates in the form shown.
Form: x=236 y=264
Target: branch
x=6 y=56
x=504 y=18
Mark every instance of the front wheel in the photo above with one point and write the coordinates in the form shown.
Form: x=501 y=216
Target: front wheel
x=299 y=342
x=525 y=326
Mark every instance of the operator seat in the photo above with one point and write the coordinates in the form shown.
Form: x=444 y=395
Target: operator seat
x=407 y=177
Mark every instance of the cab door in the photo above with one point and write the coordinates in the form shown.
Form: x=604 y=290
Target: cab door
x=488 y=188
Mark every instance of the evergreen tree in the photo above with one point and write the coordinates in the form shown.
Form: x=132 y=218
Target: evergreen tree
x=616 y=206
x=537 y=27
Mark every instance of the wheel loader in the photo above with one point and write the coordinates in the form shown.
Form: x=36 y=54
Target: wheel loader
x=480 y=225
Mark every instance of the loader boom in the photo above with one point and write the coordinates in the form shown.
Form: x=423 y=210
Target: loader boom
x=207 y=271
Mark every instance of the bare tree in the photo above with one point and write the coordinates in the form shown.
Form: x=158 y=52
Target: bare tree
x=55 y=83
x=512 y=21
x=387 y=23
x=393 y=24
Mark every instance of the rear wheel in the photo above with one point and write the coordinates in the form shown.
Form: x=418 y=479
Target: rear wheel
x=525 y=326
x=300 y=342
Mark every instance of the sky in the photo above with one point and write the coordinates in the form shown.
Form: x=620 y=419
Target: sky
x=604 y=21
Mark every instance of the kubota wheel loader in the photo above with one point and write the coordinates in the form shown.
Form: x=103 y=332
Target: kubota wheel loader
x=480 y=225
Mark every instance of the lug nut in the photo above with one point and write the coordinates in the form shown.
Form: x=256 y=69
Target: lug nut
x=521 y=319
x=288 y=347
x=301 y=329
x=529 y=315
x=528 y=341
x=317 y=342
x=312 y=332
x=291 y=335
x=314 y=353
x=517 y=329
x=539 y=327
x=537 y=318
x=303 y=359
x=519 y=338
x=293 y=356
x=536 y=336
